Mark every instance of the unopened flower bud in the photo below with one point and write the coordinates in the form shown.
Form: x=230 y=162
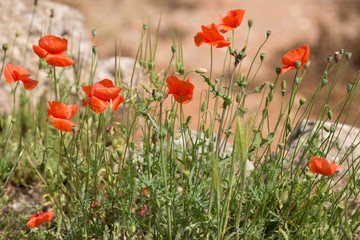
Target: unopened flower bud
x=272 y=86
x=348 y=55
x=302 y=101
x=262 y=56
x=297 y=80
x=307 y=64
x=74 y=129
x=94 y=49
x=201 y=70
x=349 y=87
x=341 y=51
x=151 y=66
x=271 y=96
x=329 y=58
x=281 y=146
x=203 y=107
x=332 y=128
x=326 y=128
x=173 y=48
x=5 y=47
x=324 y=82
x=298 y=64
x=145 y=26
x=35 y=2
x=238 y=97
x=93 y=32
x=177 y=136
x=268 y=33
x=278 y=70
x=51 y=12
x=283 y=84
x=146 y=87
x=290 y=127
x=211 y=146
x=250 y=22
x=330 y=114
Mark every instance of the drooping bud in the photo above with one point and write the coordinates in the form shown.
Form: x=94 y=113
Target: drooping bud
x=173 y=48
x=268 y=33
x=329 y=58
x=278 y=70
x=348 y=55
x=262 y=56
x=201 y=70
x=302 y=101
x=5 y=47
x=330 y=114
x=298 y=64
x=250 y=22
x=326 y=128
x=93 y=32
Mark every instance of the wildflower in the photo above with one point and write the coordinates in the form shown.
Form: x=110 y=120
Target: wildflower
x=143 y=211
x=289 y=59
x=38 y=218
x=182 y=90
x=61 y=114
x=52 y=48
x=210 y=35
x=322 y=166
x=231 y=21
x=100 y=94
x=15 y=73
x=95 y=205
x=145 y=192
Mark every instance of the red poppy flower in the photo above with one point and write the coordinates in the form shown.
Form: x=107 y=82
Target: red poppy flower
x=289 y=59
x=38 y=218
x=61 y=114
x=181 y=90
x=100 y=94
x=322 y=166
x=15 y=73
x=211 y=36
x=52 y=48
x=231 y=21
x=145 y=192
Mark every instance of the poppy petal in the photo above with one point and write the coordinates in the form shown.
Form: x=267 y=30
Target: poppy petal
x=106 y=93
x=97 y=105
x=63 y=125
x=59 y=60
x=116 y=102
x=53 y=44
x=29 y=83
x=8 y=74
x=40 y=51
x=107 y=83
x=61 y=110
x=87 y=90
x=199 y=39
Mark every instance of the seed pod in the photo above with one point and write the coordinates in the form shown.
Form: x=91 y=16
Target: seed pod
x=250 y=22
x=348 y=55
x=262 y=56
x=332 y=128
x=330 y=114
x=277 y=70
x=268 y=33
x=5 y=47
x=302 y=101
x=173 y=48
x=329 y=58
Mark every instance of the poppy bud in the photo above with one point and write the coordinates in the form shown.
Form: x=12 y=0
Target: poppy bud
x=182 y=69
x=332 y=128
x=145 y=26
x=208 y=133
x=341 y=51
x=238 y=97
x=290 y=127
x=146 y=87
x=93 y=32
x=201 y=70
x=262 y=56
x=13 y=120
x=203 y=106
x=5 y=47
x=348 y=55
x=73 y=129
x=17 y=33
x=337 y=57
x=35 y=2
x=259 y=88
x=151 y=66
x=330 y=114
x=268 y=33
x=302 y=101
x=298 y=64
x=173 y=48
x=329 y=58
x=281 y=146
x=271 y=96
x=307 y=64
x=250 y=22
x=243 y=83
x=272 y=86
x=277 y=70
x=324 y=82
x=297 y=80
x=326 y=128
x=94 y=49
x=177 y=136
x=51 y=13
x=283 y=85
x=349 y=87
